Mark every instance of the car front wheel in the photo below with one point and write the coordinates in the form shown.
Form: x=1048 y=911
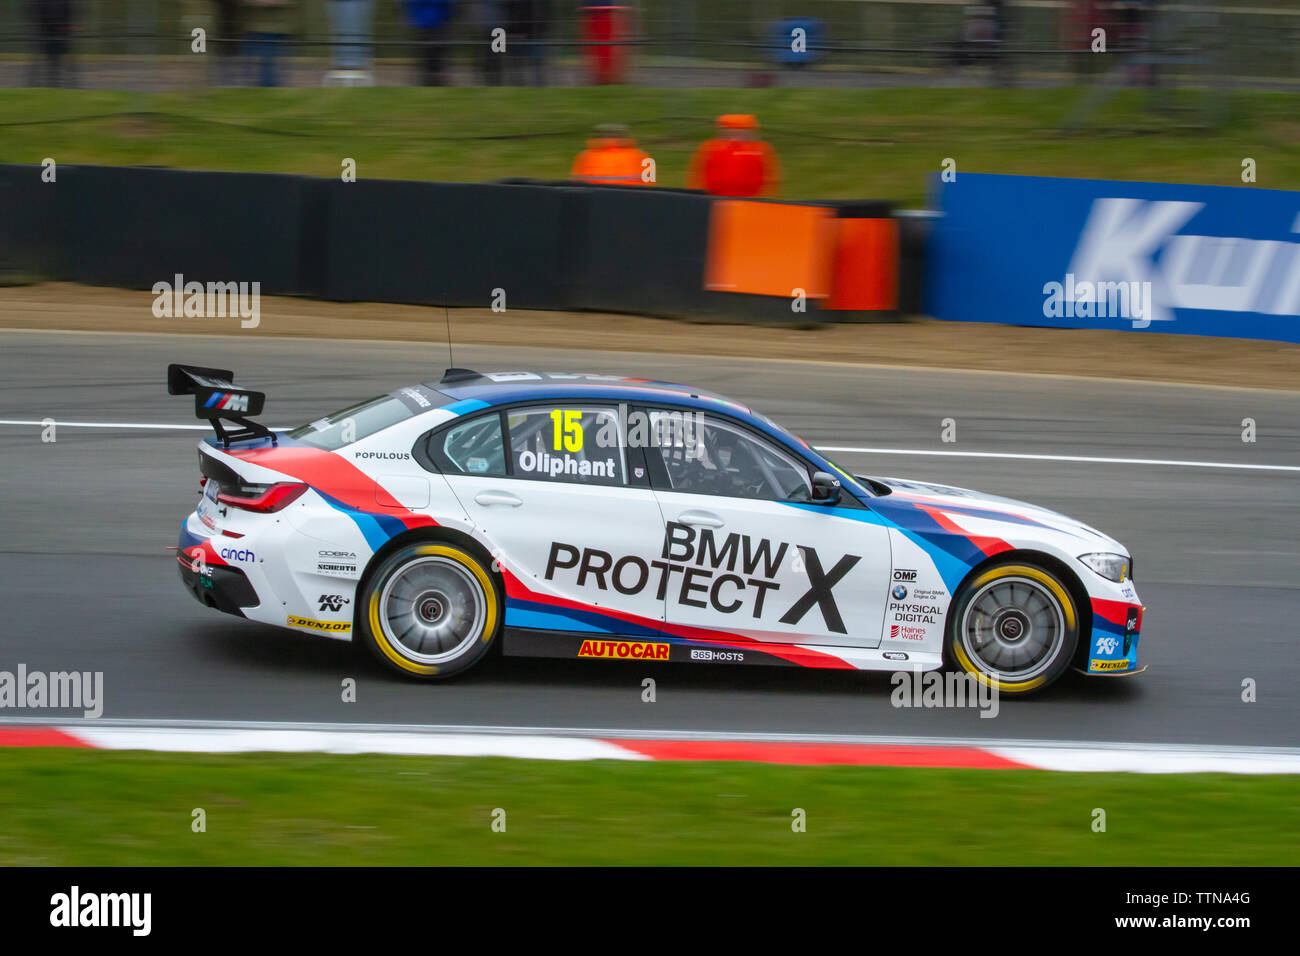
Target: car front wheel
x=1014 y=627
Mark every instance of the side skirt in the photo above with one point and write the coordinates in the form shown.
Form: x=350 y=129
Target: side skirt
x=531 y=642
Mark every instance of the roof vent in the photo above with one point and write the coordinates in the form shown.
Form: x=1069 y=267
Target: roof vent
x=458 y=375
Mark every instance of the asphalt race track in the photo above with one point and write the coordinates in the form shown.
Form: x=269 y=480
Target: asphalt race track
x=88 y=584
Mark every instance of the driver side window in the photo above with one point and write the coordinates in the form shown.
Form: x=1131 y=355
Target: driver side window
x=710 y=457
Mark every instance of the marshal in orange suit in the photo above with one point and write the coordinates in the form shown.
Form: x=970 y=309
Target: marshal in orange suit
x=735 y=162
x=611 y=157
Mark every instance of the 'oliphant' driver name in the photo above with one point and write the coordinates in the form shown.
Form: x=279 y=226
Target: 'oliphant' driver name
x=546 y=464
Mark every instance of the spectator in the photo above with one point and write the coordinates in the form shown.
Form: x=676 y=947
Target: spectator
x=227 y=36
x=269 y=24
x=983 y=37
x=429 y=19
x=735 y=162
x=350 y=29
x=53 y=22
x=611 y=157
x=488 y=16
x=529 y=24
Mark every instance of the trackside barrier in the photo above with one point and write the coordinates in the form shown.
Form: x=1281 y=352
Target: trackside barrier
x=392 y=241
x=842 y=258
x=132 y=227
x=526 y=244
x=1093 y=254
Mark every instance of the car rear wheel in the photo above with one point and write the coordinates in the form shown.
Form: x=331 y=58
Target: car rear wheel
x=430 y=610
x=1014 y=627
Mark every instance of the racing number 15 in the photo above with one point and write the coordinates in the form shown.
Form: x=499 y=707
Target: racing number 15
x=568 y=429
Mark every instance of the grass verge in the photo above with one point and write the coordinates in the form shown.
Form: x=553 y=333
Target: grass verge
x=78 y=808
x=832 y=143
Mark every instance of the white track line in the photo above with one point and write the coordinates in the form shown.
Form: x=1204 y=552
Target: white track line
x=838 y=449
x=216 y=740
x=63 y=424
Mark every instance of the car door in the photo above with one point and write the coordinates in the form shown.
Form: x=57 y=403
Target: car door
x=750 y=553
x=548 y=486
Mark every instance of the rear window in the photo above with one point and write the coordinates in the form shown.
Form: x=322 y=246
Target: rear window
x=472 y=448
x=352 y=424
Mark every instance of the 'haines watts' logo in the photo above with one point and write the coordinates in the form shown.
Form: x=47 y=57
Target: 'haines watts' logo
x=906 y=632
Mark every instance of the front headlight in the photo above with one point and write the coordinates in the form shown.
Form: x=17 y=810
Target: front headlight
x=1112 y=567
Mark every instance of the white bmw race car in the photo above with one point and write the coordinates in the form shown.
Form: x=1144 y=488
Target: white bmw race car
x=605 y=517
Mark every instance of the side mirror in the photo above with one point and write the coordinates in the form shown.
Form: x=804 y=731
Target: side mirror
x=825 y=488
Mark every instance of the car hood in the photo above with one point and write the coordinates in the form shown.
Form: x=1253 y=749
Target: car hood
x=993 y=507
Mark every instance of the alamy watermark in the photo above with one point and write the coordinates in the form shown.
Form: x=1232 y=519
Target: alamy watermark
x=53 y=690
x=1098 y=300
x=933 y=689
x=75 y=908
x=638 y=429
x=196 y=300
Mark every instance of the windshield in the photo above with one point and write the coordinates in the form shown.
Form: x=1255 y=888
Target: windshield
x=352 y=424
x=799 y=442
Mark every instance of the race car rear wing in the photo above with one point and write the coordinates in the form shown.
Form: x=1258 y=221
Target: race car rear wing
x=217 y=399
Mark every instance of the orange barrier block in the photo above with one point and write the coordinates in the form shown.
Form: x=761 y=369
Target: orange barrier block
x=866 y=265
x=770 y=248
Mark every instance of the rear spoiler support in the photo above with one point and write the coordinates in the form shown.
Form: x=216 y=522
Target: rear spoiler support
x=217 y=399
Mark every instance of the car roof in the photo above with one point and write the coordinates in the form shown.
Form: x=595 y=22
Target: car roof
x=495 y=388
x=469 y=390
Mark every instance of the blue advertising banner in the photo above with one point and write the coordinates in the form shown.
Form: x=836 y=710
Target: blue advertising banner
x=1097 y=254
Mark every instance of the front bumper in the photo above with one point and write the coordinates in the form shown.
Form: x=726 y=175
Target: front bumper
x=1116 y=627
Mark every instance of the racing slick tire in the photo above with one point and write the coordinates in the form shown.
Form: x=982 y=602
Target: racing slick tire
x=430 y=610
x=1014 y=627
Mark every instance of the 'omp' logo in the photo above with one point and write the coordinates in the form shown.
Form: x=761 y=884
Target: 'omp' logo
x=628 y=650
x=333 y=626
x=228 y=401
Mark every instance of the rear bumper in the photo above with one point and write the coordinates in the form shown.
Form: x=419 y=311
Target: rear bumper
x=225 y=589
x=213 y=585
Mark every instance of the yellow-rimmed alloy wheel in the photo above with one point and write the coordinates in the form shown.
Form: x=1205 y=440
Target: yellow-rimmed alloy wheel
x=1013 y=626
x=430 y=610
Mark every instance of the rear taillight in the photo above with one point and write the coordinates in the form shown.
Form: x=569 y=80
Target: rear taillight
x=263 y=498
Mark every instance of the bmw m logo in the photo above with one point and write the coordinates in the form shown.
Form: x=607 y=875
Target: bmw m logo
x=899 y=592
x=228 y=401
